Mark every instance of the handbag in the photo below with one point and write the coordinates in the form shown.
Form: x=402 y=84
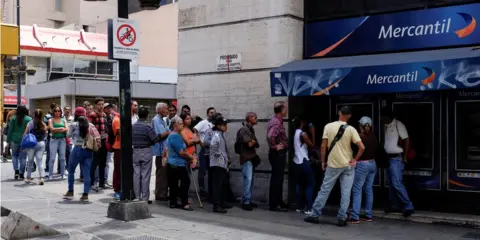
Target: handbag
x=29 y=140
x=92 y=141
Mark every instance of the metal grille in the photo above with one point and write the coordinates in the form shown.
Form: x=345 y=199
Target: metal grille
x=146 y=237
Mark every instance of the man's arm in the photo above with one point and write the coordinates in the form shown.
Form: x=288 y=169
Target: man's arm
x=323 y=153
x=361 y=148
x=403 y=134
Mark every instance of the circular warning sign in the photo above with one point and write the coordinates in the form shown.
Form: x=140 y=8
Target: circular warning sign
x=126 y=35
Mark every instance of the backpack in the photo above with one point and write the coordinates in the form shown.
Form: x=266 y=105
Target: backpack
x=238 y=143
x=92 y=140
x=110 y=134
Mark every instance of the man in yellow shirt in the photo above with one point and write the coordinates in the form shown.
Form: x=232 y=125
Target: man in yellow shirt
x=337 y=137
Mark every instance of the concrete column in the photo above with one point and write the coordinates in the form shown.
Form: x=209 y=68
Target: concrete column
x=267 y=34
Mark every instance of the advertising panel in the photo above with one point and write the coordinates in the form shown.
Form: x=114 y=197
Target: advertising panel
x=408 y=77
x=412 y=30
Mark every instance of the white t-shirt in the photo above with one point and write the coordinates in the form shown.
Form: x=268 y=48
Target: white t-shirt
x=202 y=127
x=134 y=118
x=301 y=151
x=392 y=131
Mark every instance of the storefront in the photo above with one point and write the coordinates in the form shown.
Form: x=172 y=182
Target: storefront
x=434 y=92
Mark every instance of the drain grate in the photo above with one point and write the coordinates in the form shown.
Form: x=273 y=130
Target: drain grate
x=145 y=237
x=472 y=235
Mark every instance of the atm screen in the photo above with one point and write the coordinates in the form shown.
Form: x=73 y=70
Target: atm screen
x=418 y=119
x=468 y=135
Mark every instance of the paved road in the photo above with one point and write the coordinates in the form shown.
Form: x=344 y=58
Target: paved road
x=44 y=204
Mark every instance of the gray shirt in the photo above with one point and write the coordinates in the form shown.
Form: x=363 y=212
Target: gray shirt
x=218 y=150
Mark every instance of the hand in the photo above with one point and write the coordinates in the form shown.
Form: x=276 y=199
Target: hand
x=279 y=147
x=353 y=162
x=324 y=166
x=254 y=142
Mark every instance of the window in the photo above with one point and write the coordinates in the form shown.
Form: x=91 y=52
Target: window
x=105 y=68
x=84 y=66
x=59 y=64
x=468 y=134
x=57 y=24
x=58 y=5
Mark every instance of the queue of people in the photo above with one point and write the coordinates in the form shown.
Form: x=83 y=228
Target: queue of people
x=92 y=135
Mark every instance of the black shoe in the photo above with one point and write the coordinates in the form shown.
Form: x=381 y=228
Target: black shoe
x=17 y=174
x=84 y=197
x=21 y=176
x=342 y=223
x=102 y=187
x=388 y=210
x=149 y=202
x=254 y=205
x=247 y=207
x=219 y=210
x=408 y=213
x=311 y=219
x=227 y=206
x=278 y=209
x=284 y=205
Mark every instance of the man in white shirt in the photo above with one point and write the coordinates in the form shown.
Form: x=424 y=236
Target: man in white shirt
x=204 y=155
x=172 y=112
x=134 y=112
x=397 y=145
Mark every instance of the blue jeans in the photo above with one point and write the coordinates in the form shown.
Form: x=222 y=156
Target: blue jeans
x=346 y=176
x=37 y=153
x=305 y=182
x=397 y=191
x=364 y=176
x=57 y=145
x=19 y=157
x=248 y=179
x=83 y=157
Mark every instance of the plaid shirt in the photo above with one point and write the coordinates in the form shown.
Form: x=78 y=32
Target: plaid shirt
x=276 y=133
x=100 y=122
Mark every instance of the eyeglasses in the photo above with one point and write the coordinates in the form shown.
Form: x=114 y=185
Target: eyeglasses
x=56 y=111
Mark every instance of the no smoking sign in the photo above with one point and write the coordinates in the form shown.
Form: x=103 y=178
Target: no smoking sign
x=123 y=39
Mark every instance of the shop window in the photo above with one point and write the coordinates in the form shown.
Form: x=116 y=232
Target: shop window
x=84 y=66
x=467 y=135
x=59 y=64
x=105 y=68
x=420 y=131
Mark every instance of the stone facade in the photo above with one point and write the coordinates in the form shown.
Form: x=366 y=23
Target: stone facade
x=267 y=34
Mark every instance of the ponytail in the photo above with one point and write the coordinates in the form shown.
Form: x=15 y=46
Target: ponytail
x=83 y=125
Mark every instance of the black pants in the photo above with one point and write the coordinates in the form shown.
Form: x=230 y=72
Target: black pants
x=174 y=175
x=100 y=161
x=220 y=186
x=277 y=162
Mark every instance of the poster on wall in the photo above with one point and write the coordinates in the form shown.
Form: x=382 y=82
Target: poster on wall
x=464 y=141
x=10 y=94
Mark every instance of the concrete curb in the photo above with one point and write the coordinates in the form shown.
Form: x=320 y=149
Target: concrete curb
x=460 y=220
x=19 y=226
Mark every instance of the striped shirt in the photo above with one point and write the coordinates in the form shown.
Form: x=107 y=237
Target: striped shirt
x=143 y=135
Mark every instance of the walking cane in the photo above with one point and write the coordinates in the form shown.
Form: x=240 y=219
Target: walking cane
x=193 y=177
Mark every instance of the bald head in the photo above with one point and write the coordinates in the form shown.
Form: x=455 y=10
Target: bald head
x=280 y=108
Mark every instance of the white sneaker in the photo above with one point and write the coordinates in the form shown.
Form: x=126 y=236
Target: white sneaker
x=27 y=180
x=66 y=173
x=308 y=212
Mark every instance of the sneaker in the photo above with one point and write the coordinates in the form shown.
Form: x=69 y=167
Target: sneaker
x=116 y=196
x=247 y=207
x=342 y=223
x=21 y=176
x=219 y=210
x=307 y=212
x=68 y=195
x=102 y=187
x=312 y=219
x=84 y=197
x=41 y=181
x=108 y=185
x=17 y=174
x=66 y=173
x=27 y=180
x=94 y=188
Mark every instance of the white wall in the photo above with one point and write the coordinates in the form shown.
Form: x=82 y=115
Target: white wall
x=40 y=64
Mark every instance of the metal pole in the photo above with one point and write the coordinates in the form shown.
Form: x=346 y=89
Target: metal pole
x=19 y=59
x=126 y=172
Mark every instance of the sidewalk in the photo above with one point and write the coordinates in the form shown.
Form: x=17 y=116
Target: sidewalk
x=88 y=221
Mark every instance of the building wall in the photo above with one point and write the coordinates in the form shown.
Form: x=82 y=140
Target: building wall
x=266 y=33
x=158 y=36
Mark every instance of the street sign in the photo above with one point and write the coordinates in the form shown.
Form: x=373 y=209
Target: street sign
x=229 y=62
x=123 y=39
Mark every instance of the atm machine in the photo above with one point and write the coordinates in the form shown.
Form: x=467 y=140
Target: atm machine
x=362 y=105
x=420 y=112
x=463 y=107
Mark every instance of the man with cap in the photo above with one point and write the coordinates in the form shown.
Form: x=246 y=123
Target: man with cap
x=336 y=157
x=143 y=138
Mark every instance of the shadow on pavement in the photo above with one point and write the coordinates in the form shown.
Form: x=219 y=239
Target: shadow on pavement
x=65 y=201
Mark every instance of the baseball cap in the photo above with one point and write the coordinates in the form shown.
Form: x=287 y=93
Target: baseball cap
x=107 y=105
x=80 y=111
x=365 y=120
x=221 y=121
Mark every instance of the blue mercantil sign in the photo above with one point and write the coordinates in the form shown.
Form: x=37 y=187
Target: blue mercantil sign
x=412 y=30
x=408 y=77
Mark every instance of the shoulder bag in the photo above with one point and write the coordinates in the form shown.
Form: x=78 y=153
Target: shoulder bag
x=339 y=136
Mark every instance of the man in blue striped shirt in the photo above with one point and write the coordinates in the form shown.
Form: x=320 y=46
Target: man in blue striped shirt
x=161 y=129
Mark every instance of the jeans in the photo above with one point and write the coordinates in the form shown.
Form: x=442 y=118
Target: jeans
x=365 y=172
x=47 y=149
x=37 y=153
x=83 y=157
x=57 y=145
x=277 y=161
x=305 y=182
x=99 y=160
x=67 y=154
x=397 y=191
x=346 y=176
x=248 y=179
x=19 y=157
